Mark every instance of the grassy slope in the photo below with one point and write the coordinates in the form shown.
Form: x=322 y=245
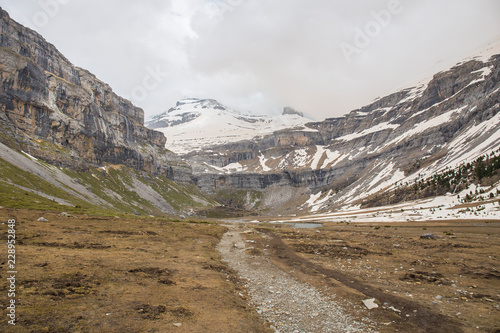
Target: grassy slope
x=120 y=187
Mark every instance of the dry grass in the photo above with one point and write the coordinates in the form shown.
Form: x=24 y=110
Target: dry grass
x=106 y=274
x=457 y=275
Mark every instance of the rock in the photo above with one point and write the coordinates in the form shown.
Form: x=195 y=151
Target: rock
x=291 y=111
x=439 y=297
x=42 y=219
x=64 y=214
x=177 y=324
x=48 y=99
x=398 y=112
x=427 y=236
x=370 y=303
x=394 y=309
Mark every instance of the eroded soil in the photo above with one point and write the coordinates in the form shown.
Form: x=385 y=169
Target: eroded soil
x=107 y=274
x=290 y=305
x=450 y=284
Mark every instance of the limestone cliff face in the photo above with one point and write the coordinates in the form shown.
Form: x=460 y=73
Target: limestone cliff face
x=65 y=115
x=45 y=100
x=450 y=119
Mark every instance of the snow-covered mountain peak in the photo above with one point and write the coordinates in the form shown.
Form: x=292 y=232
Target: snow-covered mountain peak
x=194 y=124
x=198 y=104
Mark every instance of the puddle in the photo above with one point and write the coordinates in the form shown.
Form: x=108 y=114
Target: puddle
x=305 y=225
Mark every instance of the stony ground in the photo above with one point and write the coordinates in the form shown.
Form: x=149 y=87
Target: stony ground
x=290 y=305
x=316 y=280
x=110 y=274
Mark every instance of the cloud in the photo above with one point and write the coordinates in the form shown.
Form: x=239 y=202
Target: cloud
x=260 y=55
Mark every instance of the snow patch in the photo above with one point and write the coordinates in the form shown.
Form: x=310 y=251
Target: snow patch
x=483 y=72
x=320 y=151
x=316 y=203
x=196 y=124
x=374 y=129
x=425 y=125
x=332 y=158
x=263 y=160
x=413 y=94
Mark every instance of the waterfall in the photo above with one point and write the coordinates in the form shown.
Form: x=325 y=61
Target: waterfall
x=127 y=129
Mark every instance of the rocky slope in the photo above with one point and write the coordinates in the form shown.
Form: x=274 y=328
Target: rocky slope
x=54 y=112
x=196 y=124
x=46 y=101
x=67 y=139
x=450 y=119
x=28 y=182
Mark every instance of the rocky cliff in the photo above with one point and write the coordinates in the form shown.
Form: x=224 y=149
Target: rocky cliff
x=64 y=114
x=450 y=119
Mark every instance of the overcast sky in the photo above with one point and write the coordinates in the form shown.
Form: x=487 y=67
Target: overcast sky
x=322 y=57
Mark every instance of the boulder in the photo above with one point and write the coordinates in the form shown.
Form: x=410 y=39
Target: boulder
x=427 y=236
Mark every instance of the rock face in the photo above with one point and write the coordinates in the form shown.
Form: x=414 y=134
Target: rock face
x=66 y=116
x=452 y=119
x=45 y=101
x=291 y=111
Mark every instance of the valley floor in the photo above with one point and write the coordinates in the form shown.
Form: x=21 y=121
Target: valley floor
x=82 y=273
x=447 y=284
x=289 y=304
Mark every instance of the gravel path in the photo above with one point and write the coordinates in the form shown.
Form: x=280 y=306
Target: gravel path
x=291 y=306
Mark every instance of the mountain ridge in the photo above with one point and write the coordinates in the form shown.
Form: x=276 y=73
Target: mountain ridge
x=195 y=124
x=46 y=99
x=451 y=119
x=79 y=144
x=63 y=115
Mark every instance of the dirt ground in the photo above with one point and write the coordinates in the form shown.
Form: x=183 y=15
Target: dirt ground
x=447 y=284
x=107 y=274
x=110 y=274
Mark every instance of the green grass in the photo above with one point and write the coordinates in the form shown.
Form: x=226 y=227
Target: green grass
x=116 y=186
x=240 y=198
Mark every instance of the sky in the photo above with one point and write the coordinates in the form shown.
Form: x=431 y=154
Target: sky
x=322 y=57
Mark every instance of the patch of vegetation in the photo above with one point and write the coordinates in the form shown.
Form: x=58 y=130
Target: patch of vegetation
x=150 y=275
x=53 y=148
x=120 y=188
x=484 y=170
x=180 y=196
x=112 y=187
x=242 y=199
x=22 y=189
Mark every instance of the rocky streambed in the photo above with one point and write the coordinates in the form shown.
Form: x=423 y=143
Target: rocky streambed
x=288 y=304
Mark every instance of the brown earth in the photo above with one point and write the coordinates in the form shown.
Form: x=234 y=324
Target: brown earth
x=107 y=274
x=450 y=284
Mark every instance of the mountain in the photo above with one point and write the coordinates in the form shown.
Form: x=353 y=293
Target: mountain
x=66 y=138
x=195 y=124
x=67 y=141
x=449 y=120
x=47 y=101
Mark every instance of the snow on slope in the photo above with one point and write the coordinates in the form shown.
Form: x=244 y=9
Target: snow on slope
x=474 y=140
x=432 y=209
x=428 y=124
x=196 y=124
x=373 y=129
